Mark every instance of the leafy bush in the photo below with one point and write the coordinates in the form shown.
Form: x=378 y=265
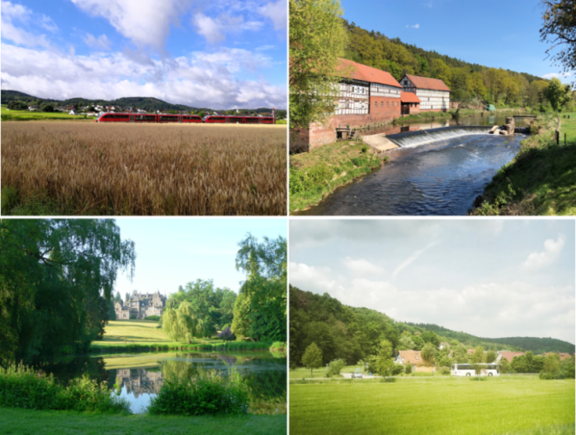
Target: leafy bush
x=278 y=346
x=396 y=369
x=408 y=369
x=208 y=393
x=335 y=367
x=21 y=387
x=227 y=335
x=132 y=316
x=155 y=318
x=444 y=370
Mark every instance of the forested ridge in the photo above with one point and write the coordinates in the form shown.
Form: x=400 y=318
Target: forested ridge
x=355 y=334
x=467 y=81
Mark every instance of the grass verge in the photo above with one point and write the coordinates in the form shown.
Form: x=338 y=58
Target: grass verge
x=25 y=115
x=434 y=405
x=541 y=179
x=15 y=421
x=316 y=174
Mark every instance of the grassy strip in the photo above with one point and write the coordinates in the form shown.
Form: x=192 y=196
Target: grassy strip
x=434 y=405
x=96 y=347
x=316 y=174
x=15 y=421
x=25 y=115
x=462 y=113
x=541 y=179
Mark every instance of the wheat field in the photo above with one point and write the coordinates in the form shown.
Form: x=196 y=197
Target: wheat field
x=152 y=169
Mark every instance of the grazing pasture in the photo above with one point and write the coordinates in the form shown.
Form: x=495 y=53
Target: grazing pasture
x=134 y=169
x=434 y=405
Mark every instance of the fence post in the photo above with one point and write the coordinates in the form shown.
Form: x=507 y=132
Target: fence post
x=557 y=137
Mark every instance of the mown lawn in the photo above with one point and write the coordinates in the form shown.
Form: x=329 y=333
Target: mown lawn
x=434 y=406
x=14 y=421
x=134 y=331
x=25 y=115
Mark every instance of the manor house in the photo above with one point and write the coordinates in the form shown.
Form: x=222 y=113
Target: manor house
x=140 y=306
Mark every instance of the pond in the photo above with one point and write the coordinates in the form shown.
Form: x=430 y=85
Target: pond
x=140 y=376
x=442 y=177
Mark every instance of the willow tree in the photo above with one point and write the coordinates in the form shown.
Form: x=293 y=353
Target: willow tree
x=182 y=324
x=317 y=39
x=56 y=278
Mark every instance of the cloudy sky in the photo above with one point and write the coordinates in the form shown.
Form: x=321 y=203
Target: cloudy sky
x=172 y=252
x=490 y=278
x=217 y=54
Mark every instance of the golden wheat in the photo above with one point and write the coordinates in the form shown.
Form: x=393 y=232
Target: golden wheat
x=152 y=169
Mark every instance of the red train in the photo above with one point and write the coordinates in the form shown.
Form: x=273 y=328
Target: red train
x=211 y=119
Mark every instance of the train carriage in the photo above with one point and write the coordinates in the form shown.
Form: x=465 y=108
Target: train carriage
x=168 y=118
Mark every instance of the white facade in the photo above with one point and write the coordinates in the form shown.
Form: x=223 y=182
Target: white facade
x=353 y=99
x=379 y=90
x=430 y=99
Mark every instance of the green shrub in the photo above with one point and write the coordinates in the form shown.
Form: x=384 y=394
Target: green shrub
x=278 y=346
x=208 y=393
x=155 y=318
x=132 y=316
x=22 y=387
x=408 y=369
x=444 y=370
x=397 y=369
x=335 y=367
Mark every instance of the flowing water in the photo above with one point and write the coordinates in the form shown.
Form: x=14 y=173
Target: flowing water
x=435 y=172
x=140 y=376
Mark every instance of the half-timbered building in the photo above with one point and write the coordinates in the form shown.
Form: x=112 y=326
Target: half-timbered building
x=434 y=95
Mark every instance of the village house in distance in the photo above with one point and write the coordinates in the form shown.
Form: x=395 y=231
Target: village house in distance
x=140 y=306
x=367 y=95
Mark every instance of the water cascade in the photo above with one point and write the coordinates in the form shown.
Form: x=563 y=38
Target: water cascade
x=420 y=137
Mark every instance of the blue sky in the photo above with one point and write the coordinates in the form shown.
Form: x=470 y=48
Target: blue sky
x=218 y=54
x=173 y=252
x=493 y=33
x=490 y=278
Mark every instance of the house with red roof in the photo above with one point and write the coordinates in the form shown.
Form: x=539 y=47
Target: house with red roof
x=434 y=95
x=414 y=358
x=562 y=355
x=410 y=103
x=508 y=355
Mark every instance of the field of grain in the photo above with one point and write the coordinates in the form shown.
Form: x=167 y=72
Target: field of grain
x=130 y=169
x=434 y=406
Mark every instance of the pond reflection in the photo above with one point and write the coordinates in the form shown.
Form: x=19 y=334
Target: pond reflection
x=139 y=377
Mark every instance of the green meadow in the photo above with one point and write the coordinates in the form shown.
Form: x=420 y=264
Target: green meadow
x=25 y=115
x=434 y=405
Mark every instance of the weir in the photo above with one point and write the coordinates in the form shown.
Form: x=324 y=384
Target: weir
x=420 y=137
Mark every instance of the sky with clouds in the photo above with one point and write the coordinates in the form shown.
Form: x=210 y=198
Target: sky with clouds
x=490 y=278
x=492 y=33
x=217 y=54
x=172 y=252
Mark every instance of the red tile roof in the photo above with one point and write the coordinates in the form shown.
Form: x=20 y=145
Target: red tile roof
x=510 y=355
x=427 y=83
x=562 y=355
x=409 y=97
x=411 y=355
x=355 y=70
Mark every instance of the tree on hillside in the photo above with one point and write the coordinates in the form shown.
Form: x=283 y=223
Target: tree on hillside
x=428 y=353
x=56 y=278
x=559 y=28
x=558 y=94
x=505 y=366
x=460 y=354
x=312 y=357
x=384 y=361
x=551 y=367
x=491 y=356
x=317 y=39
x=478 y=355
x=406 y=342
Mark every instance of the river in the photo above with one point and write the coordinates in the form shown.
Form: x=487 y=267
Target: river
x=439 y=172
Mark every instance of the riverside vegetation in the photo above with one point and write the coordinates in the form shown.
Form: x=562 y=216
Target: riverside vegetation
x=540 y=180
x=56 y=168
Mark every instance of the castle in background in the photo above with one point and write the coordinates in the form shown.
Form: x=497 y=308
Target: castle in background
x=140 y=306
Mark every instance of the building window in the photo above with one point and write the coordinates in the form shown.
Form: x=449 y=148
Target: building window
x=381 y=103
x=386 y=103
x=375 y=103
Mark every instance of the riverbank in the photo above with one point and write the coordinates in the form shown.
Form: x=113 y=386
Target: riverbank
x=462 y=113
x=316 y=174
x=540 y=180
x=16 y=421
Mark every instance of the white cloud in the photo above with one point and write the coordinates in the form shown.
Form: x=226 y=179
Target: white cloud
x=557 y=75
x=550 y=254
x=411 y=259
x=315 y=279
x=214 y=29
x=429 y=3
x=415 y=26
x=145 y=23
x=102 y=42
x=201 y=80
x=14 y=12
x=277 y=12
x=361 y=266
x=47 y=23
